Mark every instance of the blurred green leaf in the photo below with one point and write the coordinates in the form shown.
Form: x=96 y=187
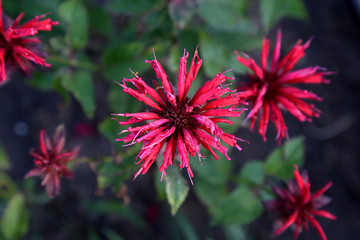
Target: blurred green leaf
x=253 y=172
x=15 y=221
x=75 y=15
x=121 y=102
x=160 y=186
x=109 y=128
x=234 y=232
x=181 y=12
x=106 y=207
x=84 y=91
x=4 y=160
x=101 y=21
x=111 y=234
x=7 y=186
x=272 y=11
x=42 y=80
x=240 y=207
x=176 y=188
x=281 y=160
x=215 y=55
x=134 y=7
x=41 y=8
x=185 y=227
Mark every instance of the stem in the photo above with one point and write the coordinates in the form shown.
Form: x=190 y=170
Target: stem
x=73 y=62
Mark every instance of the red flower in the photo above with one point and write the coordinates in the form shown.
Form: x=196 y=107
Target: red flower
x=297 y=206
x=17 y=44
x=270 y=89
x=50 y=161
x=179 y=122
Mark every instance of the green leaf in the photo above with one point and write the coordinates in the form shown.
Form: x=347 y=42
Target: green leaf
x=4 y=160
x=100 y=20
x=84 y=91
x=215 y=56
x=253 y=173
x=185 y=227
x=15 y=221
x=240 y=207
x=272 y=11
x=111 y=234
x=121 y=102
x=42 y=80
x=7 y=186
x=281 y=160
x=74 y=14
x=181 y=12
x=134 y=7
x=176 y=188
x=160 y=187
x=109 y=128
x=234 y=232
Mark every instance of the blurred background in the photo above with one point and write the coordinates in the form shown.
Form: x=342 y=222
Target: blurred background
x=96 y=43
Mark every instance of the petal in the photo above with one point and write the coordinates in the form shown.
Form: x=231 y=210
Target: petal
x=317 y=226
x=288 y=223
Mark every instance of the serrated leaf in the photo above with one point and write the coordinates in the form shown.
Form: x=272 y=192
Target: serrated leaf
x=15 y=222
x=253 y=172
x=176 y=188
x=272 y=11
x=75 y=15
x=240 y=207
x=84 y=91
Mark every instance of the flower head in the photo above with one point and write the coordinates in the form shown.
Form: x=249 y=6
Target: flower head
x=18 y=44
x=50 y=160
x=297 y=206
x=179 y=123
x=271 y=87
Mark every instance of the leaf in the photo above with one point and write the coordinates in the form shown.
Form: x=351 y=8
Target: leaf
x=215 y=56
x=109 y=128
x=7 y=186
x=121 y=102
x=240 y=207
x=15 y=221
x=181 y=12
x=272 y=11
x=176 y=188
x=160 y=187
x=185 y=227
x=133 y=7
x=101 y=21
x=253 y=173
x=74 y=14
x=234 y=232
x=84 y=91
x=281 y=160
x=4 y=159
x=111 y=234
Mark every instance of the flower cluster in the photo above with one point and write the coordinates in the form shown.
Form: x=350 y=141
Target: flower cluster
x=271 y=89
x=297 y=206
x=18 y=45
x=50 y=160
x=180 y=123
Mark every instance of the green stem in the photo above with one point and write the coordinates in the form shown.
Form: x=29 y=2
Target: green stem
x=73 y=62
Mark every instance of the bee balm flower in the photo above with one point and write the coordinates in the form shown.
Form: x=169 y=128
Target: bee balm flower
x=271 y=87
x=179 y=123
x=297 y=206
x=18 y=44
x=50 y=160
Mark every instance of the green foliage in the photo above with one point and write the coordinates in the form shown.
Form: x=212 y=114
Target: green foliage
x=281 y=160
x=135 y=7
x=7 y=186
x=15 y=221
x=4 y=161
x=272 y=11
x=253 y=173
x=240 y=207
x=176 y=188
x=234 y=232
x=75 y=15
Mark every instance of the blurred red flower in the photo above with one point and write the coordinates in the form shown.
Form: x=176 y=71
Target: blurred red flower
x=270 y=88
x=18 y=45
x=177 y=121
x=296 y=205
x=50 y=160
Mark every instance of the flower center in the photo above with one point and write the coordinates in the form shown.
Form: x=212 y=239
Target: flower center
x=178 y=117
